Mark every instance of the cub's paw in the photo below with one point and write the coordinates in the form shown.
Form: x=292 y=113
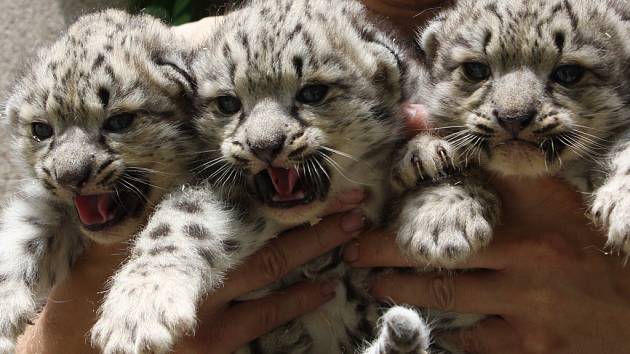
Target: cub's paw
x=611 y=210
x=404 y=331
x=7 y=345
x=443 y=225
x=137 y=320
x=425 y=157
x=17 y=309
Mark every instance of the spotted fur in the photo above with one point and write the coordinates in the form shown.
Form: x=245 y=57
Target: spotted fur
x=310 y=86
x=522 y=116
x=521 y=88
x=102 y=110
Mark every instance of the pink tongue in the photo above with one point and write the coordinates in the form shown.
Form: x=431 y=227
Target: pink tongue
x=283 y=180
x=94 y=209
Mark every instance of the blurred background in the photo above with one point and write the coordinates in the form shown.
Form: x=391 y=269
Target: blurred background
x=28 y=24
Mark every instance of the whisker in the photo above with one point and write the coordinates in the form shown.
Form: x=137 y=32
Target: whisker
x=336 y=166
x=346 y=155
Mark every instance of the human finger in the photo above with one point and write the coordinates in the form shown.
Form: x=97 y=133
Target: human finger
x=472 y=292
x=490 y=336
x=345 y=201
x=290 y=250
x=416 y=116
x=246 y=321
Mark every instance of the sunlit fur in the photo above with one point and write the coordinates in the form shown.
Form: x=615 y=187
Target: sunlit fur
x=265 y=59
x=106 y=64
x=265 y=54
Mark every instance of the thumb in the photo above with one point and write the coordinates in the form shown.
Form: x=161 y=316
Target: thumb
x=416 y=117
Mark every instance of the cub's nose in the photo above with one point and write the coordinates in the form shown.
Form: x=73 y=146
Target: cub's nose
x=514 y=123
x=267 y=150
x=74 y=178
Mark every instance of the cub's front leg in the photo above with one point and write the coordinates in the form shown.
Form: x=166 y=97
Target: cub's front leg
x=611 y=201
x=183 y=253
x=444 y=216
x=37 y=248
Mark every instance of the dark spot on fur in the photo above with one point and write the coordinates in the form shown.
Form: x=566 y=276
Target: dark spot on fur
x=103 y=95
x=98 y=61
x=104 y=164
x=298 y=65
x=196 y=231
x=486 y=41
x=188 y=206
x=107 y=178
x=207 y=256
x=160 y=231
x=559 y=39
x=231 y=245
x=35 y=246
x=162 y=249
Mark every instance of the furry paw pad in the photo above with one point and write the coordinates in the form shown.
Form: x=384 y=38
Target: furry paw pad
x=17 y=309
x=404 y=331
x=143 y=322
x=443 y=225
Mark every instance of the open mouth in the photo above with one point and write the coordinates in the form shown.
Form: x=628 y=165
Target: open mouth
x=286 y=188
x=98 y=212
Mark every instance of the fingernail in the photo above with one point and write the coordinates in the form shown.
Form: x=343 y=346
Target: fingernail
x=353 y=221
x=328 y=288
x=353 y=196
x=351 y=252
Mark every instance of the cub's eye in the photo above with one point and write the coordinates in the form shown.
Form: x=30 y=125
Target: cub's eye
x=312 y=94
x=119 y=122
x=476 y=71
x=41 y=131
x=568 y=74
x=229 y=104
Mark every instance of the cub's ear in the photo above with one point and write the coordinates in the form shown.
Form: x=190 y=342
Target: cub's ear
x=428 y=41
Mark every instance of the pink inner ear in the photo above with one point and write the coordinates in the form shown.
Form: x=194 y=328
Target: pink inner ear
x=283 y=179
x=94 y=209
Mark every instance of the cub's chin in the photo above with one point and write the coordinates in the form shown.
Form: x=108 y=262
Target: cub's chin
x=516 y=158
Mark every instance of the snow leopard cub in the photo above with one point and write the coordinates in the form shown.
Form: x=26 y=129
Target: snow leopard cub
x=299 y=100
x=527 y=88
x=99 y=121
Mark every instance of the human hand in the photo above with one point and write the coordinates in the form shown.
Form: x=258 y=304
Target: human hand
x=545 y=278
x=71 y=308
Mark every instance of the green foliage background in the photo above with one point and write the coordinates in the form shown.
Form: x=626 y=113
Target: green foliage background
x=177 y=12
